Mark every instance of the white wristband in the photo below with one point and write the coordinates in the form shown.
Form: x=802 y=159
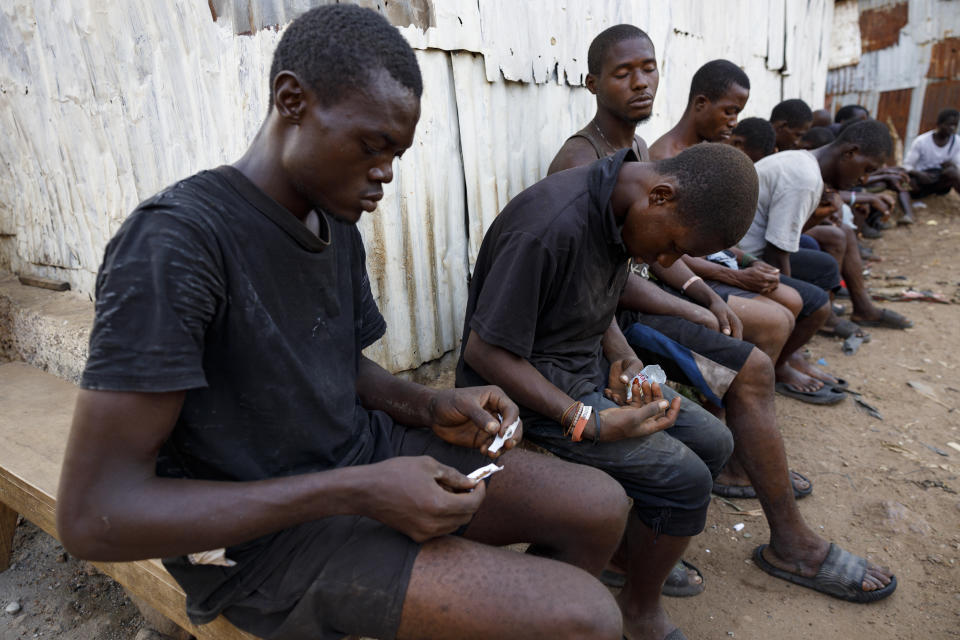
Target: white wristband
x=689 y=282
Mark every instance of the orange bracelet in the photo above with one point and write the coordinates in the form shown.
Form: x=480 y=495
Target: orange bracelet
x=582 y=419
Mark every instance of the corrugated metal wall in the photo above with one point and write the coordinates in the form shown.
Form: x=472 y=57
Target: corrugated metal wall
x=909 y=50
x=104 y=103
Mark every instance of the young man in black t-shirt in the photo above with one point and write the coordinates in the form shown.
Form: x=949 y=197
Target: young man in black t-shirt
x=227 y=406
x=541 y=324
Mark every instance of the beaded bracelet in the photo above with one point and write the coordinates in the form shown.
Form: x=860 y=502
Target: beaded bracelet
x=568 y=428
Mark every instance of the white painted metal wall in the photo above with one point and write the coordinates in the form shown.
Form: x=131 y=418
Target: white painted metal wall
x=103 y=103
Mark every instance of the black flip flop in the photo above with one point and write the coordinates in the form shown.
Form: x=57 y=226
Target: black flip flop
x=825 y=395
x=747 y=492
x=677 y=584
x=844 y=329
x=840 y=576
x=888 y=320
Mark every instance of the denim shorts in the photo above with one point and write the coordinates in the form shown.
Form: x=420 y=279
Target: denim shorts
x=668 y=474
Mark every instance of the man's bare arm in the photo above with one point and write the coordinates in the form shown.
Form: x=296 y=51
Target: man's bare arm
x=679 y=274
x=777 y=257
x=642 y=295
x=526 y=385
x=465 y=417
x=113 y=507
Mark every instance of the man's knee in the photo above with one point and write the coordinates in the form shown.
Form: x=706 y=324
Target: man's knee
x=592 y=613
x=603 y=505
x=756 y=375
x=831 y=237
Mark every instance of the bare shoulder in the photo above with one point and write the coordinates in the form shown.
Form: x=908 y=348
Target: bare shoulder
x=575 y=152
x=662 y=148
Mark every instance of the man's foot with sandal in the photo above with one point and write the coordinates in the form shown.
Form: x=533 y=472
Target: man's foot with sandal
x=839 y=574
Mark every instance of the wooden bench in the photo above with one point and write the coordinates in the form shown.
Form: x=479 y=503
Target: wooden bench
x=35 y=413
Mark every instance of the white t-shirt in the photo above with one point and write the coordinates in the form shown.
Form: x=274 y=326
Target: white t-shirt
x=790 y=190
x=926 y=154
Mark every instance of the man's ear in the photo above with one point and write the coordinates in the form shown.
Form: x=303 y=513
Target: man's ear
x=849 y=149
x=700 y=102
x=778 y=124
x=661 y=194
x=289 y=96
x=590 y=82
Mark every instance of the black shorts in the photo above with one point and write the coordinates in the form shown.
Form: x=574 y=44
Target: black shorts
x=329 y=578
x=816 y=267
x=812 y=296
x=938 y=187
x=725 y=290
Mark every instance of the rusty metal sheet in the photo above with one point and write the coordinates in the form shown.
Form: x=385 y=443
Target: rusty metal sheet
x=939 y=95
x=945 y=59
x=894 y=107
x=880 y=28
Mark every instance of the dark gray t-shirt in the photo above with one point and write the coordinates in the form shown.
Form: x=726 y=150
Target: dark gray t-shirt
x=212 y=287
x=548 y=277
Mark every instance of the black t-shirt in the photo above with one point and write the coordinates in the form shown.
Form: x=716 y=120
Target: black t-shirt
x=214 y=288
x=548 y=277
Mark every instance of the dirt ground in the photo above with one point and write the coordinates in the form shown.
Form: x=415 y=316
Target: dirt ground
x=887 y=488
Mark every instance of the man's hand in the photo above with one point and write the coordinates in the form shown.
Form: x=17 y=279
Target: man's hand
x=648 y=412
x=730 y=324
x=699 y=315
x=621 y=373
x=420 y=497
x=879 y=201
x=759 y=277
x=468 y=417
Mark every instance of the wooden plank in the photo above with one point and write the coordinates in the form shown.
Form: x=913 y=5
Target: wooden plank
x=8 y=527
x=150 y=581
x=44 y=283
x=35 y=413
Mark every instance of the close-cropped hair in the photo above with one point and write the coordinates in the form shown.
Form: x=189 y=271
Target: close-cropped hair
x=608 y=38
x=794 y=112
x=818 y=137
x=717 y=190
x=758 y=135
x=848 y=111
x=714 y=79
x=946 y=114
x=338 y=49
x=872 y=136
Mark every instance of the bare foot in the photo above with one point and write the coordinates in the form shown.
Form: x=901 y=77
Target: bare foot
x=729 y=478
x=796 y=380
x=803 y=366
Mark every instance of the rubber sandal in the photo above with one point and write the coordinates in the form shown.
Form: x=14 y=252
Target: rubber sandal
x=840 y=576
x=888 y=320
x=825 y=395
x=844 y=329
x=739 y=491
x=677 y=584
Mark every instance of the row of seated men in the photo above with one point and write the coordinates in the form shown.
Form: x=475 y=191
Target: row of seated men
x=227 y=405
